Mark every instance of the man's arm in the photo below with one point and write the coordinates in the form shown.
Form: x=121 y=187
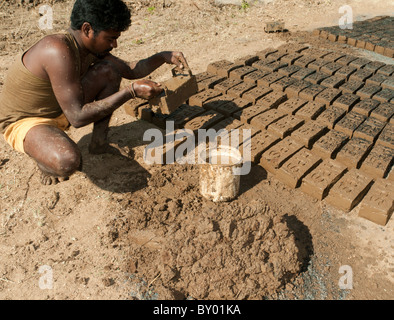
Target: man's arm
x=142 y=68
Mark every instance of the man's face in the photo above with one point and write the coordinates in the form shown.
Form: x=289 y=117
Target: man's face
x=103 y=42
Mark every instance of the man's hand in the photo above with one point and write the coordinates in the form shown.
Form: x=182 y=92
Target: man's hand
x=147 y=89
x=175 y=57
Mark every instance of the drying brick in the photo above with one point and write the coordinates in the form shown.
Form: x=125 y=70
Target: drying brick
x=303 y=73
x=209 y=83
x=331 y=68
x=345 y=72
x=292 y=105
x=289 y=70
x=263 y=120
x=328 y=145
x=388 y=83
x=383 y=112
x=328 y=96
x=295 y=88
x=385 y=95
x=258 y=144
x=254 y=76
x=361 y=75
x=386 y=137
x=366 y=106
x=354 y=152
x=285 y=126
x=227 y=84
x=238 y=90
x=200 y=98
x=232 y=107
x=309 y=133
x=352 y=86
x=282 y=83
x=333 y=82
x=317 y=77
x=311 y=92
x=184 y=114
x=331 y=116
x=311 y=110
x=214 y=103
x=257 y=93
x=379 y=161
x=269 y=79
x=350 y=122
x=204 y=121
x=240 y=73
x=368 y=91
x=370 y=129
x=245 y=115
x=346 y=101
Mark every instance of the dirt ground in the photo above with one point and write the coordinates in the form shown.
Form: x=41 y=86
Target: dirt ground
x=122 y=229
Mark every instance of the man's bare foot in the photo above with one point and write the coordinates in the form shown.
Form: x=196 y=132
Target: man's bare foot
x=107 y=148
x=48 y=180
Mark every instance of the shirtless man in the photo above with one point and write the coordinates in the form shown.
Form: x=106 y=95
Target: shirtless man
x=73 y=79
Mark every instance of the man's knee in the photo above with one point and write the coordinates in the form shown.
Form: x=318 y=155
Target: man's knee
x=67 y=162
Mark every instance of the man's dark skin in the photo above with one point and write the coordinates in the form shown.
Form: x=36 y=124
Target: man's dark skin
x=90 y=100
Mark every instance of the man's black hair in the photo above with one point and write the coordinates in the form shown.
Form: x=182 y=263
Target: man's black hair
x=101 y=14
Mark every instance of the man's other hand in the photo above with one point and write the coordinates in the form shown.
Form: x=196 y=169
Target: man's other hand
x=175 y=57
x=147 y=89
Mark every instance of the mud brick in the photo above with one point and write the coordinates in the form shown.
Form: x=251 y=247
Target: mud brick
x=331 y=116
x=386 y=137
x=366 y=106
x=285 y=126
x=331 y=68
x=303 y=73
x=184 y=114
x=292 y=47
x=354 y=152
x=346 y=60
x=258 y=144
x=289 y=70
x=209 y=83
x=368 y=91
x=346 y=101
x=204 y=121
x=254 y=76
x=278 y=55
x=234 y=106
x=240 y=73
x=131 y=107
x=227 y=84
x=222 y=68
x=260 y=64
x=379 y=161
x=263 y=120
x=383 y=112
x=349 y=190
x=282 y=83
x=370 y=46
x=328 y=145
x=266 y=52
x=378 y=204
x=318 y=64
x=376 y=79
x=309 y=133
x=273 y=99
x=385 y=95
x=273 y=158
x=297 y=167
x=314 y=52
x=245 y=115
x=304 y=61
x=359 y=63
x=227 y=124
x=292 y=105
x=275 y=66
x=203 y=76
x=311 y=92
x=214 y=103
x=333 y=56
x=318 y=182
x=388 y=83
x=269 y=79
x=387 y=70
x=369 y=129
x=328 y=96
x=345 y=72
x=352 y=86
x=317 y=77
x=389 y=52
x=200 y=98
x=295 y=88
x=247 y=60
x=256 y=93
x=361 y=75
x=240 y=89
x=350 y=122
x=374 y=66
x=311 y=110
x=333 y=82
x=291 y=58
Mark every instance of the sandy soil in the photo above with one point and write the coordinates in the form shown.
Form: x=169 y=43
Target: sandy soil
x=122 y=229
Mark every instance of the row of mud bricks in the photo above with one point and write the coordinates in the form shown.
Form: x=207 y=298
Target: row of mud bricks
x=376 y=34
x=321 y=121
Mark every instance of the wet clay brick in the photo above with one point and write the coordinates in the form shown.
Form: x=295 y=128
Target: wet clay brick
x=266 y=52
x=354 y=152
x=291 y=58
x=349 y=190
x=333 y=82
x=200 y=98
x=260 y=64
x=317 y=77
x=222 y=68
x=328 y=145
x=263 y=120
x=366 y=106
x=234 y=106
x=318 y=183
x=383 y=112
x=346 y=101
x=247 y=60
x=184 y=114
x=374 y=66
x=273 y=158
x=350 y=122
x=368 y=91
x=311 y=110
x=131 y=107
x=289 y=70
x=388 y=83
x=331 y=116
x=245 y=115
x=275 y=66
x=227 y=124
x=295 y=88
x=346 y=60
x=328 y=96
x=359 y=63
x=309 y=133
x=385 y=95
x=345 y=72
x=257 y=93
x=317 y=53
x=204 y=121
x=285 y=126
x=293 y=47
x=292 y=105
x=239 y=90
x=240 y=73
x=333 y=56
x=304 y=61
x=226 y=85
x=282 y=83
x=254 y=76
x=278 y=55
x=386 y=137
x=352 y=86
x=369 y=129
x=203 y=76
x=302 y=73
x=318 y=64
x=379 y=161
x=376 y=79
x=209 y=83
x=311 y=92
x=214 y=103
x=258 y=144
x=273 y=99
x=361 y=75
x=297 y=167
x=331 y=68
x=269 y=79
x=387 y=70
x=378 y=204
